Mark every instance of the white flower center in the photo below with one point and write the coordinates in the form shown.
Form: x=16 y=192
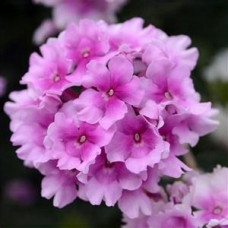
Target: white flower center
x=56 y=78
x=217 y=210
x=137 y=137
x=82 y=139
x=110 y=92
x=168 y=95
x=85 y=52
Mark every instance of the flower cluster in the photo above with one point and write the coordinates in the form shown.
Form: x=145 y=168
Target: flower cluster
x=200 y=200
x=65 y=12
x=107 y=111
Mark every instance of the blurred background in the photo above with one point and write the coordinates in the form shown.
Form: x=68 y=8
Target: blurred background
x=205 y=21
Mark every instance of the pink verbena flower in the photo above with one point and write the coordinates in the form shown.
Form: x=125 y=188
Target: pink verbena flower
x=86 y=41
x=65 y=12
x=115 y=89
x=49 y=72
x=73 y=143
x=165 y=80
x=178 y=205
x=104 y=120
x=209 y=195
x=136 y=143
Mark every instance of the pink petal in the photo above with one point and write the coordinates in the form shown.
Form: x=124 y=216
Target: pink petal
x=65 y=196
x=98 y=76
x=119 y=148
x=89 y=106
x=127 y=92
x=133 y=203
x=121 y=70
x=115 y=110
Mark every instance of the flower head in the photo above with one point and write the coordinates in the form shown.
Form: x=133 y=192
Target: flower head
x=103 y=118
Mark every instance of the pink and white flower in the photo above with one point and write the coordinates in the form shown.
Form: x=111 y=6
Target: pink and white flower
x=73 y=143
x=136 y=143
x=115 y=89
x=209 y=195
x=49 y=73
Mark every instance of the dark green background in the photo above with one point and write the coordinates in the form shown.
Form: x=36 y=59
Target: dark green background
x=205 y=21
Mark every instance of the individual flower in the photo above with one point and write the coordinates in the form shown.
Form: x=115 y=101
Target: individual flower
x=136 y=143
x=49 y=72
x=164 y=81
x=115 y=89
x=208 y=204
x=85 y=41
x=75 y=144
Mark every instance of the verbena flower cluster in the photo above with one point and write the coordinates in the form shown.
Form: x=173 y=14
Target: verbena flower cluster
x=107 y=111
x=65 y=12
x=200 y=200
